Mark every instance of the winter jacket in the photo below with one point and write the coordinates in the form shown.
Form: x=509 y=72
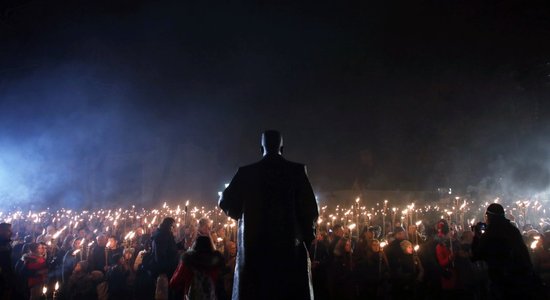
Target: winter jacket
x=36 y=268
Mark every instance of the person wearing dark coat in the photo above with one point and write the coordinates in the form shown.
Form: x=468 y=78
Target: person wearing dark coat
x=430 y=287
x=117 y=277
x=98 y=260
x=501 y=246
x=393 y=250
x=80 y=285
x=276 y=210
x=6 y=268
x=371 y=273
x=17 y=251
x=318 y=252
x=341 y=285
x=165 y=250
x=71 y=258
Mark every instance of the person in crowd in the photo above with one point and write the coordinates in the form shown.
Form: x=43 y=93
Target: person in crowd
x=337 y=234
x=17 y=250
x=500 y=244
x=471 y=276
x=205 y=229
x=393 y=250
x=98 y=259
x=82 y=233
x=57 y=260
x=190 y=234
x=47 y=236
x=138 y=261
x=276 y=210
x=71 y=258
x=128 y=265
x=445 y=253
x=113 y=248
x=101 y=285
x=230 y=257
x=341 y=284
x=541 y=260
x=318 y=252
x=80 y=285
x=37 y=269
x=414 y=235
x=371 y=273
x=6 y=267
x=363 y=245
x=221 y=239
x=400 y=266
x=117 y=278
x=430 y=287
x=141 y=239
x=198 y=275
x=144 y=282
x=164 y=248
x=406 y=273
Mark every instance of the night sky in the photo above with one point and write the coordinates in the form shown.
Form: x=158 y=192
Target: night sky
x=150 y=101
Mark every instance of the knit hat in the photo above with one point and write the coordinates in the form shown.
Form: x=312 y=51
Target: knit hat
x=495 y=209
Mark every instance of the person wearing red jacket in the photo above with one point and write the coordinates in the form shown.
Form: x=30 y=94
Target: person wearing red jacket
x=445 y=257
x=198 y=273
x=36 y=268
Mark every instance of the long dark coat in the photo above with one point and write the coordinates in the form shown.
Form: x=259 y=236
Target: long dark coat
x=508 y=261
x=276 y=211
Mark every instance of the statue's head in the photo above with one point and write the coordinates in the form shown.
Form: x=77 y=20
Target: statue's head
x=272 y=142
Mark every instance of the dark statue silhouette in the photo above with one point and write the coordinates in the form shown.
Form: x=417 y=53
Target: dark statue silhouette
x=276 y=211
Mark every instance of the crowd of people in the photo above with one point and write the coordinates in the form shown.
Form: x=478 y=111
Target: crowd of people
x=430 y=261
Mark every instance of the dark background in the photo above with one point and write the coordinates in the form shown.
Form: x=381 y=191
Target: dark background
x=115 y=102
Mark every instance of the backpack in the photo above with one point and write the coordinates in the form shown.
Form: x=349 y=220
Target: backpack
x=202 y=287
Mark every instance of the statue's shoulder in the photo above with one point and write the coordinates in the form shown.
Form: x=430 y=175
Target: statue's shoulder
x=295 y=165
x=280 y=161
x=249 y=167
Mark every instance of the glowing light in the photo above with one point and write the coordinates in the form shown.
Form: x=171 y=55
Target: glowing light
x=130 y=235
x=58 y=233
